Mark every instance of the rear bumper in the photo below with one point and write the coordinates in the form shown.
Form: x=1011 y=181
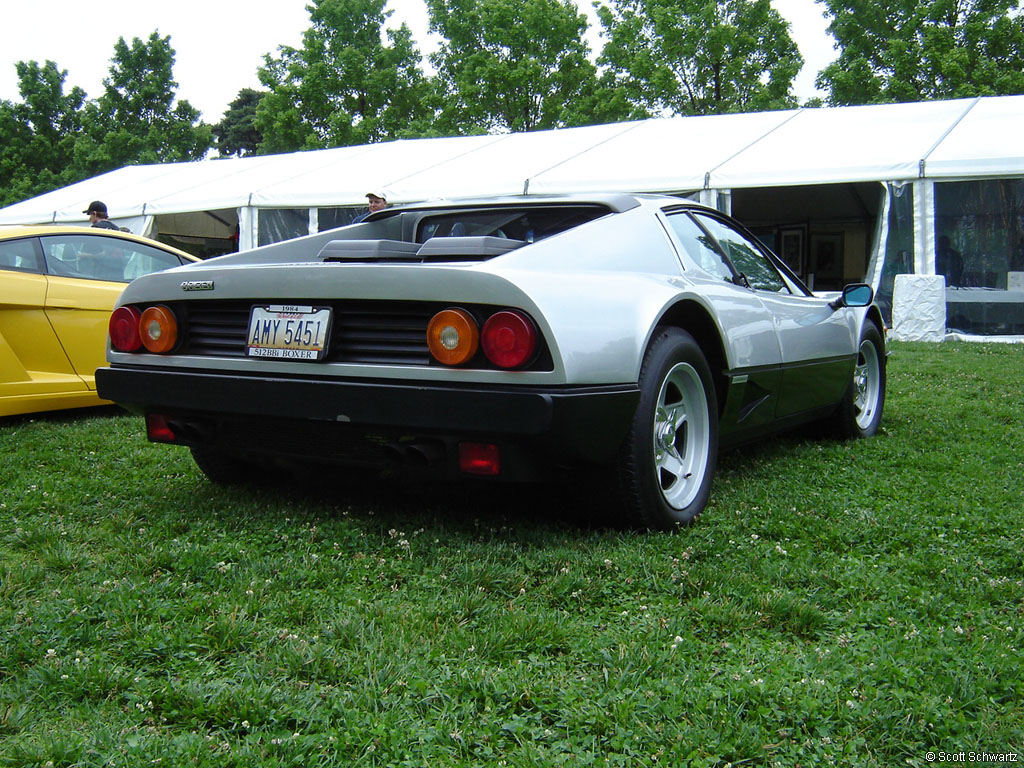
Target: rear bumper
x=566 y=425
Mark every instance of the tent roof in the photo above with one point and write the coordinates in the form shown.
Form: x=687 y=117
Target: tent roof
x=869 y=143
x=966 y=138
x=987 y=142
x=664 y=155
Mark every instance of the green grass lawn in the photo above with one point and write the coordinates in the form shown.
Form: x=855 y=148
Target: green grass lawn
x=849 y=604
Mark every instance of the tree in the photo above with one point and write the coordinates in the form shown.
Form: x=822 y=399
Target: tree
x=514 y=65
x=236 y=134
x=14 y=136
x=916 y=50
x=344 y=86
x=37 y=136
x=137 y=118
x=699 y=57
x=51 y=139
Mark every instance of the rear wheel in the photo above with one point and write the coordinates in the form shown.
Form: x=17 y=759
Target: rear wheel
x=668 y=460
x=860 y=412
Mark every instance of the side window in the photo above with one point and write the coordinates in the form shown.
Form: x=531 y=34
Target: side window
x=95 y=257
x=20 y=255
x=746 y=257
x=75 y=256
x=698 y=246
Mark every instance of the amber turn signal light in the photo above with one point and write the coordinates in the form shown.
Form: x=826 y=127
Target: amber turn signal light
x=453 y=336
x=158 y=328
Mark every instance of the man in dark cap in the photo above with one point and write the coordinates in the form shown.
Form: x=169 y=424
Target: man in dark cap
x=98 y=215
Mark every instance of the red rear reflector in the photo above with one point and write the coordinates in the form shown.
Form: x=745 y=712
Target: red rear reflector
x=479 y=459
x=158 y=430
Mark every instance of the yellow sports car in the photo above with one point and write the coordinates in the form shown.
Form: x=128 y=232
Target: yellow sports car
x=58 y=285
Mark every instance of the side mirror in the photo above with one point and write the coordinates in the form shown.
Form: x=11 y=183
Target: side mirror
x=854 y=295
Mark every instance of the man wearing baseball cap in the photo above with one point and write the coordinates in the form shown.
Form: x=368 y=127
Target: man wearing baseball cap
x=377 y=200
x=97 y=211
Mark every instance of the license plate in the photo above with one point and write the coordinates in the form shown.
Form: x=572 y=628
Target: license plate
x=288 y=332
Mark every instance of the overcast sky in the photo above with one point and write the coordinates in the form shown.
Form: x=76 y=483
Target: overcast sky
x=219 y=44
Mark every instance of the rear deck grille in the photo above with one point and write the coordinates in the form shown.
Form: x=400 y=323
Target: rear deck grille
x=382 y=332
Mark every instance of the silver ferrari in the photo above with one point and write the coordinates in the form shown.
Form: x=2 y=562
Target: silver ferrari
x=626 y=338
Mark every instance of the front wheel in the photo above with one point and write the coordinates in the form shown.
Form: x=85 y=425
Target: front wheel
x=860 y=411
x=668 y=459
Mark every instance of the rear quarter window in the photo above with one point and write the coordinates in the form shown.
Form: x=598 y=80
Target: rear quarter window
x=20 y=256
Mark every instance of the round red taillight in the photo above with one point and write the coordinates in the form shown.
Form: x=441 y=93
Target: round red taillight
x=158 y=328
x=124 y=329
x=509 y=339
x=452 y=336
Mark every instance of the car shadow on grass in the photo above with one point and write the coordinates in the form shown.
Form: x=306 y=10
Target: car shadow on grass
x=579 y=503
x=398 y=498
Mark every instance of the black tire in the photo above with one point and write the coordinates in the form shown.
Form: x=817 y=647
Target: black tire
x=224 y=468
x=668 y=460
x=860 y=412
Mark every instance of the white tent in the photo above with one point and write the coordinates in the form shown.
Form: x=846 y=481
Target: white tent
x=965 y=138
x=805 y=157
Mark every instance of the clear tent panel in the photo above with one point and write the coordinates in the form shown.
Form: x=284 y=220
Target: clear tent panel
x=979 y=249
x=899 y=244
x=277 y=224
x=332 y=218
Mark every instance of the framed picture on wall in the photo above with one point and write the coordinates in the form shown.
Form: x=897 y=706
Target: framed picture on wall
x=791 y=248
x=827 y=259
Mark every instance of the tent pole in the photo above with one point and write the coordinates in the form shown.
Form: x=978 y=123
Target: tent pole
x=246 y=228
x=924 y=227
